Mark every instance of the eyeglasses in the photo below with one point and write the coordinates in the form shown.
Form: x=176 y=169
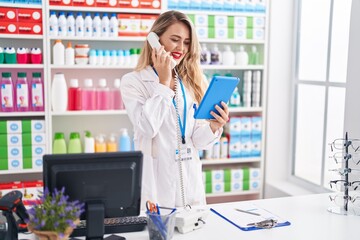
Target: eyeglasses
x=340 y=157
x=341 y=200
x=343 y=171
x=341 y=144
x=340 y=184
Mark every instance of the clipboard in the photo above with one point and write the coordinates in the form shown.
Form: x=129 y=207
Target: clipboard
x=241 y=219
x=220 y=89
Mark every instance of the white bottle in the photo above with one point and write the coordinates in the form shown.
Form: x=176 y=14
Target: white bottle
x=88 y=25
x=58 y=53
x=241 y=57
x=121 y=57
x=79 y=25
x=59 y=93
x=224 y=147
x=69 y=55
x=89 y=143
x=96 y=25
x=62 y=25
x=105 y=25
x=107 y=58
x=53 y=24
x=216 y=151
x=113 y=57
x=114 y=25
x=228 y=56
x=70 y=24
x=100 y=57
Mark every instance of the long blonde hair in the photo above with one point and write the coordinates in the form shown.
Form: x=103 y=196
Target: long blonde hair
x=189 y=68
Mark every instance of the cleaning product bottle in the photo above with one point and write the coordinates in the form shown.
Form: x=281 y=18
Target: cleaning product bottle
x=111 y=145
x=22 y=93
x=102 y=96
x=205 y=55
x=74 y=95
x=254 y=56
x=215 y=55
x=62 y=23
x=59 y=144
x=74 y=143
x=114 y=25
x=69 y=55
x=88 y=95
x=96 y=25
x=70 y=24
x=7 y=93
x=79 y=25
x=224 y=146
x=124 y=140
x=115 y=96
x=88 y=25
x=241 y=57
x=105 y=25
x=59 y=94
x=228 y=56
x=235 y=100
x=100 y=145
x=37 y=92
x=53 y=24
x=58 y=53
x=89 y=143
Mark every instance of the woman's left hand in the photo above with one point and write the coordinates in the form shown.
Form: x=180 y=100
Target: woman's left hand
x=220 y=120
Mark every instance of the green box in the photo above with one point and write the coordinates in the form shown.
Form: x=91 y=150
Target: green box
x=4 y=152
x=3 y=126
x=192 y=18
x=26 y=126
x=27 y=151
x=3 y=139
x=27 y=163
x=4 y=164
x=26 y=139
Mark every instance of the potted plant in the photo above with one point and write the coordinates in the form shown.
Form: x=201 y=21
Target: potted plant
x=55 y=217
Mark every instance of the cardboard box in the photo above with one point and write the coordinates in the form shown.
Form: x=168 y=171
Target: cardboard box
x=8 y=28
x=61 y=2
x=129 y=4
x=150 y=4
x=146 y=23
x=29 y=28
x=106 y=3
x=83 y=3
x=8 y=15
x=29 y=15
x=129 y=24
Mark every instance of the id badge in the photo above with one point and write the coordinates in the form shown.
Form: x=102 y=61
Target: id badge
x=185 y=153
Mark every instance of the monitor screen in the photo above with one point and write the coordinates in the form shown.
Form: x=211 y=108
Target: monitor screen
x=109 y=180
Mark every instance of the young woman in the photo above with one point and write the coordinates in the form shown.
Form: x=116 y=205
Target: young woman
x=164 y=124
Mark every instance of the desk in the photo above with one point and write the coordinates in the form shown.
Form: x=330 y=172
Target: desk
x=308 y=215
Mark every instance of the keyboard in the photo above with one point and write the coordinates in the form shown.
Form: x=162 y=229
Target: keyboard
x=115 y=225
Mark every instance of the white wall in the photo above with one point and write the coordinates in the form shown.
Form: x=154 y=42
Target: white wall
x=279 y=106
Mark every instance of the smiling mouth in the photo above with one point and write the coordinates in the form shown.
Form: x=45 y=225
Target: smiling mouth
x=176 y=55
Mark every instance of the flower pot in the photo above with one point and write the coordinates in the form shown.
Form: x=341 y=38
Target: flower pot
x=52 y=235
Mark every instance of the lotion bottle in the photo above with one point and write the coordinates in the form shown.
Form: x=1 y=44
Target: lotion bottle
x=241 y=58
x=89 y=143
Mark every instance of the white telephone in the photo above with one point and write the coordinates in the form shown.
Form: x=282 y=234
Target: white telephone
x=153 y=40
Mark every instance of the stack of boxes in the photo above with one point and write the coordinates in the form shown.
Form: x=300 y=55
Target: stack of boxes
x=22 y=144
x=228 y=27
x=245 y=136
x=131 y=4
x=20 y=21
x=231 y=180
x=220 y=5
x=135 y=24
x=29 y=189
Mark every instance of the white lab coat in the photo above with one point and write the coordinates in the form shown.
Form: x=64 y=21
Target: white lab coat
x=150 y=108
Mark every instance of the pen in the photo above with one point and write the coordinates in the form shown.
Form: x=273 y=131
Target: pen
x=244 y=211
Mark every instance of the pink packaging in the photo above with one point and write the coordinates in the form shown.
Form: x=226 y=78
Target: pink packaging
x=21 y=56
x=36 y=56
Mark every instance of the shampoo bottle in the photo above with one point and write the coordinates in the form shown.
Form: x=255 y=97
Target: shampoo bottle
x=74 y=143
x=59 y=144
x=37 y=92
x=89 y=143
x=59 y=95
x=7 y=93
x=100 y=145
x=124 y=140
x=22 y=93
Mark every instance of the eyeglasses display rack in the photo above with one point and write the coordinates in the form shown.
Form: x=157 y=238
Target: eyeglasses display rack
x=346 y=202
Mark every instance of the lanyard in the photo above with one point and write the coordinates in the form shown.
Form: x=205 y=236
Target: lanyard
x=182 y=127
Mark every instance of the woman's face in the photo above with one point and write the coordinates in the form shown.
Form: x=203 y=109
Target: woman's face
x=176 y=40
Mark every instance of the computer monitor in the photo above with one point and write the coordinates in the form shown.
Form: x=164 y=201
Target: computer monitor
x=108 y=183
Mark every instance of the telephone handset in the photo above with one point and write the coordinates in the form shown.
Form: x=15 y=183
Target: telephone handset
x=153 y=40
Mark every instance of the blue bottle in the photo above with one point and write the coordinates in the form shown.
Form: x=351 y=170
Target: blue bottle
x=124 y=141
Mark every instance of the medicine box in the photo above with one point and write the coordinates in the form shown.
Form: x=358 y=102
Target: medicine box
x=245 y=146
x=255 y=148
x=106 y=3
x=83 y=3
x=240 y=5
x=29 y=15
x=8 y=15
x=150 y=4
x=129 y=24
x=146 y=23
x=61 y=2
x=206 y=4
x=234 y=146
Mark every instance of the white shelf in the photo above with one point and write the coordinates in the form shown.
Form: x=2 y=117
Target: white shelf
x=226 y=194
x=224 y=13
x=245 y=109
x=27 y=66
x=233 y=67
x=22 y=114
x=89 y=113
x=22 y=36
x=105 y=9
x=20 y=171
x=120 y=38
x=19 y=5
x=206 y=162
x=235 y=41
x=91 y=67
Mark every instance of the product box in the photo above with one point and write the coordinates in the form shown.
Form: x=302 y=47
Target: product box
x=15 y=164
x=240 y=5
x=254 y=173
x=229 y=5
x=200 y=20
x=217 y=175
x=31 y=190
x=37 y=163
x=33 y=126
x=10 y=186
x=29 y=28
x=3 y=162
x=245 y=146
x=10 y=139
x=220 y=21
x=256 y=126
x=61 y=2
x=195 y=4
x=29 y=15
x=128 y=4
x=146 y=23
x=83 y=3
x=183 y=4
x=129 y=24
x=255 y=146
x=202 y=32
x=34 y=138
x=234 y=146
x=245 y=126
x=173 y=4
x=206 y=4
x=207 y=176
x=218 y=5
x=250 y=6
x=240 y=33
x=234 y=187
x=260 y=6
x=256 y=34
x=233 y=175
x=235 y=126
x=106 y=3
x=33 y=151
x=150 y=4
x=8 y=15
x=8 y=28
x=217 y=187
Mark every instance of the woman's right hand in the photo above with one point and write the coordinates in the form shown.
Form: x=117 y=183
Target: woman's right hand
x=162 y=65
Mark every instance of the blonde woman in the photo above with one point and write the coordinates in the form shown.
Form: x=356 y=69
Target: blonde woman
x=164 y=126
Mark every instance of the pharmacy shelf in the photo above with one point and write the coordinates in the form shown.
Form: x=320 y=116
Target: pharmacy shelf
x=91 y=67
x=20 y=171
x=89 y=113
x=226 y=194
x=19 y=5
x=234 y=41
x=23 y=66
x=232 y=67
x=224 y=13
x=22 y=36
x=245 y=109
x=105 y=9
x=222 y=161
x=22 y=114
x=89 y=39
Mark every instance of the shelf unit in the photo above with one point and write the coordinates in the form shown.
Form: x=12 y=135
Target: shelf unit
x=110 y=121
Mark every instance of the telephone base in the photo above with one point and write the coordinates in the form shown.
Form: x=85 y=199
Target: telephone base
x=190 y=220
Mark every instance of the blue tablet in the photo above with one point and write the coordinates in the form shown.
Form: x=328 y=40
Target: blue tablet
x=219 y=90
